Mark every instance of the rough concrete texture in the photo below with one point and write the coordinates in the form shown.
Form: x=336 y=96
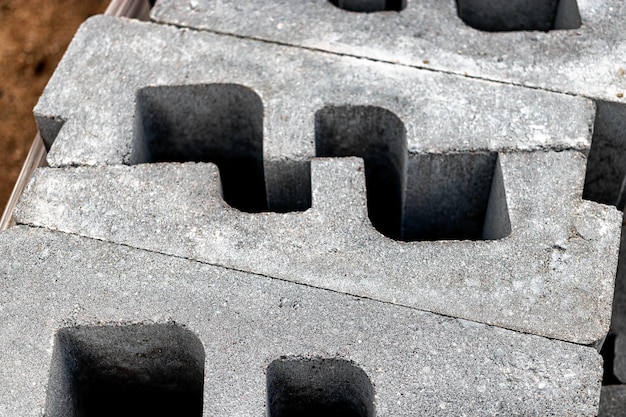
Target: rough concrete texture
x=552 y=276
x=571 y=46
x=209 y=164
x=102 y=301
x=618 y=323
x=586 y=55
x=294 y=105
x=110 y=60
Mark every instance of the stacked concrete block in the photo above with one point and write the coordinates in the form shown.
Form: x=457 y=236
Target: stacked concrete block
x=571 y=46
x=575 y=47
x=256 y=226
x=92 y=327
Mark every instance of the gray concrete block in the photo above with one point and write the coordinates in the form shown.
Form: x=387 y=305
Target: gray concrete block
x=552 y=275
x=429 y=141
x=466 y=202
x=583 y=57
x=117 y=66
x=79 y=314
x=560 y=46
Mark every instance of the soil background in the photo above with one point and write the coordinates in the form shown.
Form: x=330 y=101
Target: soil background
x=33 y=37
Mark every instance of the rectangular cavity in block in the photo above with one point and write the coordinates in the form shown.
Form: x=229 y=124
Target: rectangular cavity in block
x=455 y=196
x=421 y=197
x=303 y=387
x=152 y=370
x=368 y=6
x=379 y=137
x=606 y=165
x=219 y=123
x=510 y=15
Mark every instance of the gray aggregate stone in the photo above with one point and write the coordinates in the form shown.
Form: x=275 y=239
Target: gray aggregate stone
x=418 y=363
x=552 y=276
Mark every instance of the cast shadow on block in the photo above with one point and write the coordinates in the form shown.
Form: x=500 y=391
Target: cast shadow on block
x=414 y=197
x=219 y=123
x=605 y=176
x=410 y=197
x=154 y=370
x=299 y=387
x=515 y=15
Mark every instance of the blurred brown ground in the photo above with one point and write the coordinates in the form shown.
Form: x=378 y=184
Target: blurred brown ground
x=33 y=36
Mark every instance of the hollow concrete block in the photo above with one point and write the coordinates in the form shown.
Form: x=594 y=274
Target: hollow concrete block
x=570 y=46
x=299 y=206
x=552 y=275
x=78 y=314
x=113 y=63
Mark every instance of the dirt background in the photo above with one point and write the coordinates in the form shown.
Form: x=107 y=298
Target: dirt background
x=33 y=36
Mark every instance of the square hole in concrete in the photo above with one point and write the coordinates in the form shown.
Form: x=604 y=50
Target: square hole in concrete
x=369 y=6
x=298 y=387
x=455 y=196
x=379 y=137
x=138 y=370
x=510 y=15
x=219 y=123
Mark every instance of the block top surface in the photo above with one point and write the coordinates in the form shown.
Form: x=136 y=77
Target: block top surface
x=582 y=57
x=111 y=60
x=244 y=322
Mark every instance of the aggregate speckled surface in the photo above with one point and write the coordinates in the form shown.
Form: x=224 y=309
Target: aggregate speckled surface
x=552 y=276
x=52 y=280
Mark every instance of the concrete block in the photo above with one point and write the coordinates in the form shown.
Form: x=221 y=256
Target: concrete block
x=261 y=112
x=577 y=47
x=87 y=323
x=569 y=46
x=122 y=68
x=552 y=275
x=244 y=260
